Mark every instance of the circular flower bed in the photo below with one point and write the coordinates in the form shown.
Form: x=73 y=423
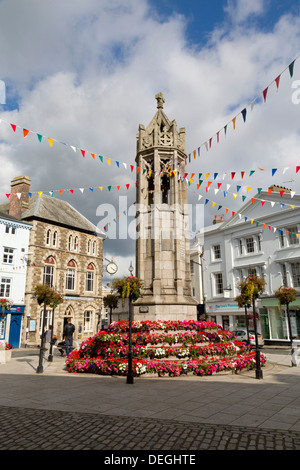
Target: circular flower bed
x=164 y=348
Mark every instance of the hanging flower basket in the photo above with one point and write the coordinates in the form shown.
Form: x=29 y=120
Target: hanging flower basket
x=285 y=295
x=128 y=287
x=44 y=294
x=5 y=304
x=251 y=287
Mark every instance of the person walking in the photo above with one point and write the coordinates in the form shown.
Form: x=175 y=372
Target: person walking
x=68 y=335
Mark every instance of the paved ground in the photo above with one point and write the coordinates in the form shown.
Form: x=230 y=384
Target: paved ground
x=56 y=410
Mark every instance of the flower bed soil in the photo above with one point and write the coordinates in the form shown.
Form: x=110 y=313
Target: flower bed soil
x=163 y=348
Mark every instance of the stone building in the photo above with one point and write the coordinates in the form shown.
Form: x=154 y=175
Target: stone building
x=162 y=246
x=65 y=250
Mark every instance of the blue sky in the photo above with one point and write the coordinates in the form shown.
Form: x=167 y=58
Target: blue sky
x=86 y=74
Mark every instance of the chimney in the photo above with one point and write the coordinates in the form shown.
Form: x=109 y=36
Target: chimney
x=19 y=196
x=218 y=220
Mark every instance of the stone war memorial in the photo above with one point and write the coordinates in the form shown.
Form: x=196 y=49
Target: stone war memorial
x=165 y=337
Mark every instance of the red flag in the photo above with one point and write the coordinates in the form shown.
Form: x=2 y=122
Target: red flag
x=297 y=169
x=72 y=191
x=265 y=94
x=281 y=193
x=118 y=187
x=83 y=152
x=132 y=167
x=14 y=127
x=253 y=199
x=25 y=132
x=232 y=174
x=127 y=186
x=277 y=81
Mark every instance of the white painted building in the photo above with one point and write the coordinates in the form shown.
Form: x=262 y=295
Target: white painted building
x=262 y=238
x=14 y=239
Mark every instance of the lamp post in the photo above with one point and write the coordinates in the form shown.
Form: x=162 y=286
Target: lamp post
x=130 y=372
x=50 y=357
x=40 y=368
x=258 y=371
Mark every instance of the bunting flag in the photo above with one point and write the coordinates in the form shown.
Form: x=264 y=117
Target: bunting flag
x=243 y=112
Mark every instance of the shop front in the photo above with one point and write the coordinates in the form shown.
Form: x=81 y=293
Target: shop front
x=228 y=315
x=11 y=324
x=276 y=320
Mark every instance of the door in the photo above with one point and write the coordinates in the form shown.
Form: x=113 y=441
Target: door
x=15 y=330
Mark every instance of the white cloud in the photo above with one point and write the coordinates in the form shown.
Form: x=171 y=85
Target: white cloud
x=87 y=73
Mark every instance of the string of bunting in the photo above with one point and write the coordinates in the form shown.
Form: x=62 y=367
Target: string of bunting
x=75 y=149
x=251 y=220
x=263 y=95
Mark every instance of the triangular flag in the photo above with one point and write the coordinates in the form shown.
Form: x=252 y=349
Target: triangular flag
x=25 y=133
x=274 y=171
x=101 y=158
x=137 y=170
x=81 y=189
x=291 y=68
x=109 y=188
x=118 y=187
x=14 y=127
x=251 y=172
x=232 y=174
x=127 y=186
x=297 y=169
x=244 y=112
x=281 y=193
x=93 y=155
x=40 y=193
x=269 y=191
x=233 y=122
x=73 y=148
x=19 y=195
x=100 y=187
x=91 y=189
x=72 y=191
x=108 y=160
x=277 y=79
x=50 y=141
x=262 y=202
x=118 y=165
x=132 y=167
x=259 y=190
x=248 y=188
x=253 y=199
x=8 y=196
x=61 y=191
x=265 y=94
x=39 y=136
x=242 y=174
x=83 y=152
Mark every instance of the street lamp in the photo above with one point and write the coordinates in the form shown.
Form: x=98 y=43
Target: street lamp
x=40 y=368
x=258 y=371
x=130 y=372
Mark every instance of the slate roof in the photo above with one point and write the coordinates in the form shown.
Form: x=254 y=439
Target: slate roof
x=56 y=211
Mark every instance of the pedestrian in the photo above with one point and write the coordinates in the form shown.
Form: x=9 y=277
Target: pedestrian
x=68 y=335
x=47 y=339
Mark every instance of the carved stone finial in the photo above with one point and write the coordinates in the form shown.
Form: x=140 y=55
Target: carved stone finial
x=160 y=100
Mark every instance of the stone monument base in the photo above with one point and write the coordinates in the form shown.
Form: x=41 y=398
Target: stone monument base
x=148 y=310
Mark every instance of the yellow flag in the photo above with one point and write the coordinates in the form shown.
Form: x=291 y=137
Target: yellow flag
x=50 y=141
x=101 y=187
x=40 y=193
x=248 y=188
x=108 y=160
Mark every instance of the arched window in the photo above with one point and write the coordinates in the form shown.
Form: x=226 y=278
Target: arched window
x=75 y=243
x=54 y=239
x=89 y=284
x=89 y=247
x=48 y=276
x=70 y=243
x=48 y=237
x=94 y=247
x=71 y=275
